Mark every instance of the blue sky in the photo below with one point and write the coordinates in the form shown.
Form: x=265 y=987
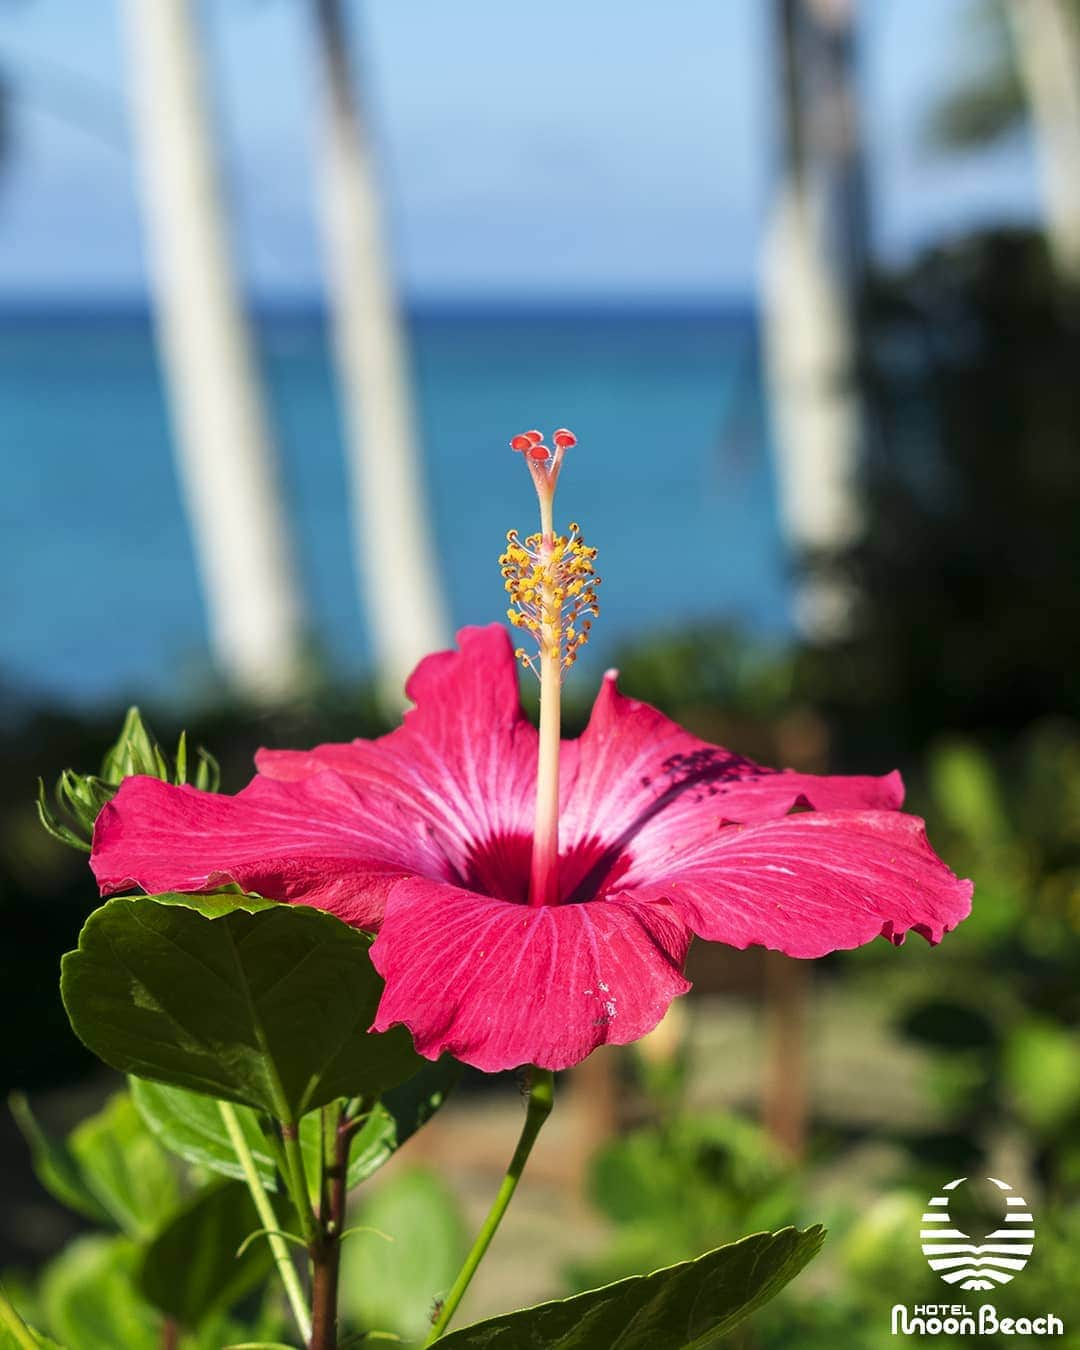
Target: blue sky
x=575 y=148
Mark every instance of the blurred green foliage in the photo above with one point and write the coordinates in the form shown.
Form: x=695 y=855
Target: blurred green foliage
x=680 y=1186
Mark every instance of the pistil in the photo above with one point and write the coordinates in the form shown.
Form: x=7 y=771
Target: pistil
x=552 y=588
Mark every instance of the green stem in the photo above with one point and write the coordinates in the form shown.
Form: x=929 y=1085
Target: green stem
x=541 y=1100
x=265 y=1210
x=20 y=1331
x=272 y=1140
x=296 y=1180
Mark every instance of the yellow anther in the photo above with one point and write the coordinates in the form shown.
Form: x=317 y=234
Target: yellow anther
x=552 y=592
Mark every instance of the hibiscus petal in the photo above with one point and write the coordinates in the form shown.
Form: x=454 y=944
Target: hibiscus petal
x=316 y=841
x=499 y=985
x=636 y=766
x=640 y=777
x=465 y=758
x=807 y=884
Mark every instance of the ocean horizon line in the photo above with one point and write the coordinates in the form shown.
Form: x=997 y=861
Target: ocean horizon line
x=30 y=308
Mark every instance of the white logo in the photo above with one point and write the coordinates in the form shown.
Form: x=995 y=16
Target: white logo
x=984 y=1265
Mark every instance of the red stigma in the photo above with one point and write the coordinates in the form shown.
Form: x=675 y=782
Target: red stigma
x=520 y=443
x=564 y=439
x=535 y=436
x=539 y=452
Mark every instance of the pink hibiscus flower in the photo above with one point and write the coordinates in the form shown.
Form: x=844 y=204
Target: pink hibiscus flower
x=502 y=937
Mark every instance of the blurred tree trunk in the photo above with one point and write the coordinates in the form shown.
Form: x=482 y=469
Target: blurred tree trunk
x=814 y=256
x=225 y=453
x=394 y=546
x=1046 y=36
x=812 y=269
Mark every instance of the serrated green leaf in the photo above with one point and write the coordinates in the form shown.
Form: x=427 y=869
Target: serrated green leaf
x=55 y=1166
x=126 y=1169
x=191 y=1270
x=263 y=1004
x=691 y=1306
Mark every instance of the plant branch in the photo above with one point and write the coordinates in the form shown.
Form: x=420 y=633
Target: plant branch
x=265 y=1210
x=541 y=1100
x=326 y=1256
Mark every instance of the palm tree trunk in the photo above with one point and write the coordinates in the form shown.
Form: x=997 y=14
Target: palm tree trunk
x=394 y=546
x=814 y=255
x=1046 y=36
x=813 y=251
x=225 y=453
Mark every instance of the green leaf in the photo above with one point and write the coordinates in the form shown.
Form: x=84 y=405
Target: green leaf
x=190 y=1125
x=967 y=792
x=111 y=1169
x=90 y=1301
x=125 y=1167
x=1042 y=1071
x=393 y=1284
x=191 y=1270
x=55 y=1166
x=691 y=1306
x=263 y=1004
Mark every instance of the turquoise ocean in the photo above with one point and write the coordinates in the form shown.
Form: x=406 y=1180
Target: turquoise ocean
x=671 y=480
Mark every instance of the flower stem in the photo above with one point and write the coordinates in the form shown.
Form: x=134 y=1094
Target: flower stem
x=265 y=1210
x=541 y=1100
x=9 y=1318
